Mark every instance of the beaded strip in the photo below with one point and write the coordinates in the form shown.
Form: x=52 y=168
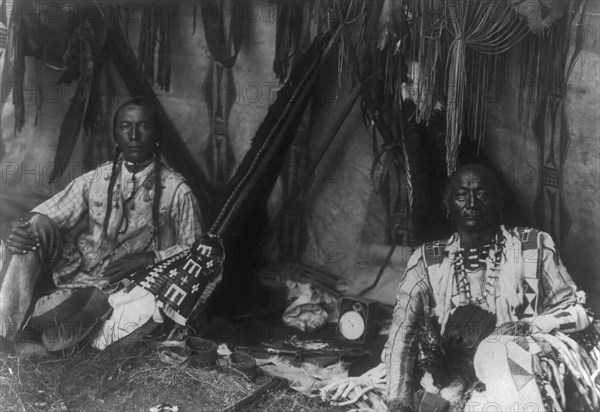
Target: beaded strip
x=487 y=257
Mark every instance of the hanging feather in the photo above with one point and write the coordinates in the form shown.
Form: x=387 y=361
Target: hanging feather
x=39 y=93
x=224 y=29
x=156 y=27
x=393 y=28
x=13 y=72
x=111 y=88
x=165 y=20
x=73 y=120
x=147 y=42
x=72 y=60
x=94 y=112
x=293 y=23
x=95 y=99
x=194 y=16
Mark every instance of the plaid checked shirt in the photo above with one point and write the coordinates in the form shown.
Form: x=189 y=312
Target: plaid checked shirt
x=130 y=229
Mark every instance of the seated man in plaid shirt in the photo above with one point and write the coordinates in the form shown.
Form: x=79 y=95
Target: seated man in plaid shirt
x=133 y=211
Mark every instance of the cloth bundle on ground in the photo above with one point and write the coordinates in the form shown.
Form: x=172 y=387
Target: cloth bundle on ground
x=310 y=308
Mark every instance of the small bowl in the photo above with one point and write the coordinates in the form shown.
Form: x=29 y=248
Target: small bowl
x=203 y=352
x=244 y=363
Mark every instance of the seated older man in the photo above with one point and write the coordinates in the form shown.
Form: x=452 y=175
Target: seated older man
x=515 y=276
x=128 y=214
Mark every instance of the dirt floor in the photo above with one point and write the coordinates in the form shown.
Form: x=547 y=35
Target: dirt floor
x=135 y=380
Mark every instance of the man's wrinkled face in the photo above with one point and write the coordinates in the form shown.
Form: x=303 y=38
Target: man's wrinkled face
x=135 y=133
x=474 y=203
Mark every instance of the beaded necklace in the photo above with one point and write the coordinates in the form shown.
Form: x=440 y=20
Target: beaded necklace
x=487 y=257
x=129 y=202
x=136 y=167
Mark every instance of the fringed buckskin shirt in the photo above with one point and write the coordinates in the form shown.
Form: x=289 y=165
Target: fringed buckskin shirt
x=82 y=205
x=529 y=280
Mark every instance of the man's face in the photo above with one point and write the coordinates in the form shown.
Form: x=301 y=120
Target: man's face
x=474 y=204
x=135 y=133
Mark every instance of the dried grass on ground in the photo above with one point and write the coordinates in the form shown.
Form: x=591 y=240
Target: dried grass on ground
x=136 y=380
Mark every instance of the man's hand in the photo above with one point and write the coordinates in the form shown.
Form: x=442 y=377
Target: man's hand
x=20 y=238
x=118 y=270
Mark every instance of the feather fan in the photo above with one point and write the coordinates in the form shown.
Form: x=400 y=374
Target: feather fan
x=449 y=358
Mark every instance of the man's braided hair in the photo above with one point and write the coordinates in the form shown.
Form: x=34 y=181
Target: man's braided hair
x=138 y=102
